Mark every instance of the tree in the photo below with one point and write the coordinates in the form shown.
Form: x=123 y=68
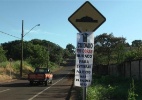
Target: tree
x=66 y=54
x=70 y=48
x=54 y=50
x=136 y=43
x=13 y=49
x=106 y=48
x=37 y=51
x=38 y=56
x=56 y=55
x=2 y=54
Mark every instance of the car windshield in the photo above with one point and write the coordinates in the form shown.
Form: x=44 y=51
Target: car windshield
x=41 y=70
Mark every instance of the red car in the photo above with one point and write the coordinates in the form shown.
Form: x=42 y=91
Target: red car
x=41 y=75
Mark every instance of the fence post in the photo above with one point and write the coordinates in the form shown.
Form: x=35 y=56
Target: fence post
x=124 y=69
x=130 y=70
x=10 y=60
x=139 y=69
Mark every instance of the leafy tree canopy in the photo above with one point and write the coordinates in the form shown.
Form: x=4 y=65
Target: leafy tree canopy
x=2 y=54
x=105 y=45
x=36 y=49
x=136 y=43
x=70 y=48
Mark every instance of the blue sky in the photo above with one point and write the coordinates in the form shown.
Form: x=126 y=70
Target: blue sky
x=123 y=19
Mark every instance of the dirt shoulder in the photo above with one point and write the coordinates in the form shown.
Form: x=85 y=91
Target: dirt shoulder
x=6 y=78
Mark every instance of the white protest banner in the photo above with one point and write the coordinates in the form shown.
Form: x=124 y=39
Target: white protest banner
x=84 y=59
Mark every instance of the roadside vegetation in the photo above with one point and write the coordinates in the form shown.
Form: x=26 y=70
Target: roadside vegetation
x=36 y=53
x=11 y=70
x=114 y=50
x=114 y=88
x=108 y=50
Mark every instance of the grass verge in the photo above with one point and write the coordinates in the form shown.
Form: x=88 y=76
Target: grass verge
x=114 y=88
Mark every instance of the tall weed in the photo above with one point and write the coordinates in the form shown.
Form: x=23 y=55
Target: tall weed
x=131 y=92
x=114 y=88
x=4 y=64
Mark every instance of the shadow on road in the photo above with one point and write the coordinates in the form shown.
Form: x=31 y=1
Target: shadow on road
x=25 y=82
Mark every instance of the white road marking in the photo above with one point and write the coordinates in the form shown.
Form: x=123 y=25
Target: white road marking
x=45 y=89
x=4 y=90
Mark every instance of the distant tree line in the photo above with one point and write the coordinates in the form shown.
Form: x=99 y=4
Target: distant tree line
x=36 y=52
x=111 y=50
x=108 y=49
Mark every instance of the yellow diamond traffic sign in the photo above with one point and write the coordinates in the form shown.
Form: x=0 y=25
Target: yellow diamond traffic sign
x=86 y=18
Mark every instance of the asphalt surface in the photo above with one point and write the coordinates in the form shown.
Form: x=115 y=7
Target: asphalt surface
x=21 y=90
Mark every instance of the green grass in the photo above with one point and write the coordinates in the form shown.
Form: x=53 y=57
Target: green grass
x=114 y=88
x=4 y=64
x=14 y=67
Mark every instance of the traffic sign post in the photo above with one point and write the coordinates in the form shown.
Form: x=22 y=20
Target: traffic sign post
x=86 y=20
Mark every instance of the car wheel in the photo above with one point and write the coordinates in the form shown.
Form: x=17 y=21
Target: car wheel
x=31 y=83
x=46 y=83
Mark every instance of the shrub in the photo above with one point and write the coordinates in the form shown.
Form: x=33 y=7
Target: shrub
x=114 y=88
x=131 y=92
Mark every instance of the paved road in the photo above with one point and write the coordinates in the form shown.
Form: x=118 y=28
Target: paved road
x=21 y=90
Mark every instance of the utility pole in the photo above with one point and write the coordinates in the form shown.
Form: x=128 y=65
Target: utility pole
x=21 y=66
x=22 y=36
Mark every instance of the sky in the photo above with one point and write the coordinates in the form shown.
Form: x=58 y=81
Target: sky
x=123 y=19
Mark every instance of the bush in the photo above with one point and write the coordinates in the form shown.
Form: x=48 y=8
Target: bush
x=114 y=88
x=53 y=66
x=131 y=92
x=2 y=55
x=4 y=64
x=16 y=65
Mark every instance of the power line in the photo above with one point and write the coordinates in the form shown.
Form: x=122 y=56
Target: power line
x=10 y=34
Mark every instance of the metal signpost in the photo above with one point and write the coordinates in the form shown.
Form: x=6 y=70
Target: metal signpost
x=86 y=20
